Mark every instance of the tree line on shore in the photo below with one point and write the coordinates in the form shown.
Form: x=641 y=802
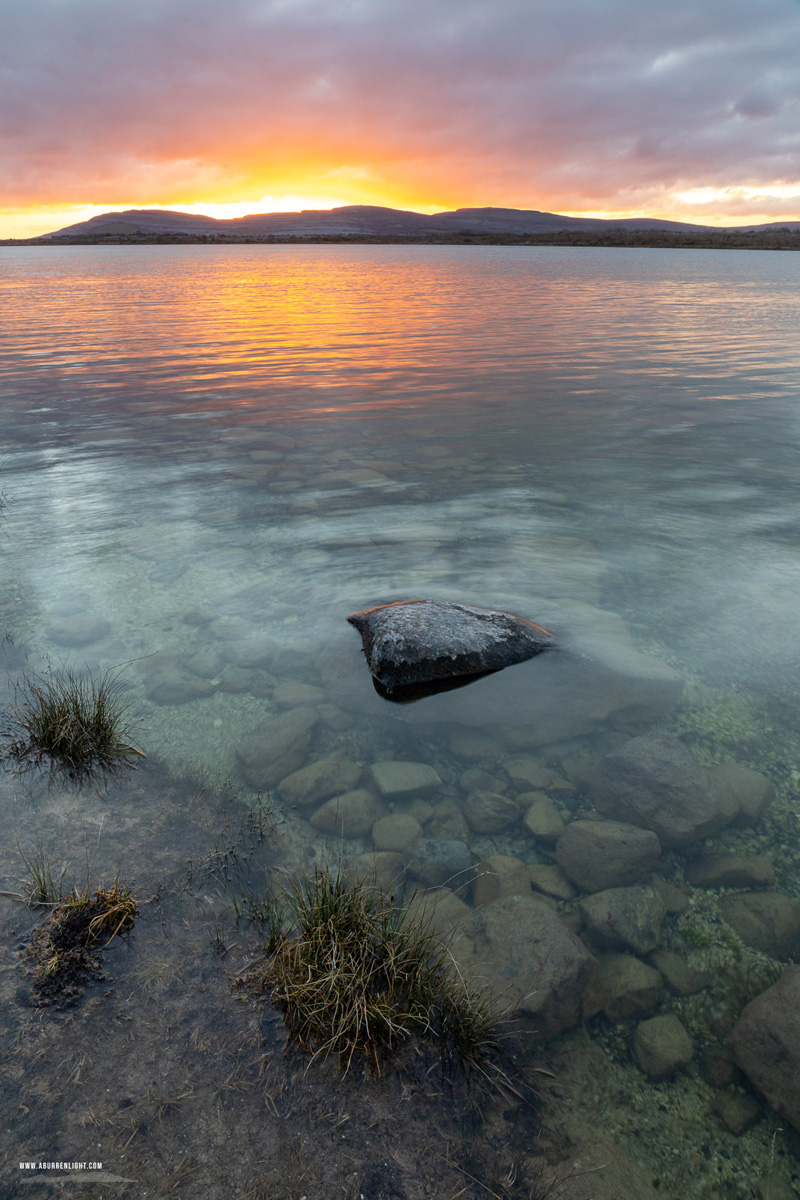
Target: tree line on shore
x=775 y=238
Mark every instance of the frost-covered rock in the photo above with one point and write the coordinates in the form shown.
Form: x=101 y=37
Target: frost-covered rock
x=425 y=641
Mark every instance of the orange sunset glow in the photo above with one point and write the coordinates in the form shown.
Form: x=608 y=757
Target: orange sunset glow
x=686 y=112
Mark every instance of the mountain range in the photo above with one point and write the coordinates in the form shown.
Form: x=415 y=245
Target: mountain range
x=367 y=220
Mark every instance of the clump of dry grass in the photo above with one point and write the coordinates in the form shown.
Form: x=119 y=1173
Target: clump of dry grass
x=358 y=977
x=79 y=727
x=63 y=949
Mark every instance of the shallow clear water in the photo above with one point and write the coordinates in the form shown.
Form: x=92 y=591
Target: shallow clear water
x=212 y=455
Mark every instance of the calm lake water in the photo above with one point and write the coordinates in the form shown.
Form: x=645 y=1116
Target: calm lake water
x=212 y=455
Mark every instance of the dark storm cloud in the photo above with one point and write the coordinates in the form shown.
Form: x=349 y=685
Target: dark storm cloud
x=587 y=101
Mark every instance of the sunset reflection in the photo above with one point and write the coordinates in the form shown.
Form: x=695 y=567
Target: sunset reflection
x=306 y=333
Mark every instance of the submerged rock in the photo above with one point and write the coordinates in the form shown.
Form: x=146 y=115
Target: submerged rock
x=730 y=870
x=766 y=1044
x=653 y=781
x=442 y=862
x=597 y=855
x=328 y=776
x=767 y=921
x=417 y=642
x=751 y=791
x=80 y=629
x=624 y=918
x=679 y=977
x=489 y=812
x=350 y=815
x=395 y=779
x=276 y=748
x=626 y=987
x=524 y=954
x=662 y=1046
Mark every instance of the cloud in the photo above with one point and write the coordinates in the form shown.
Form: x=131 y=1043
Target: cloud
x=576 y=105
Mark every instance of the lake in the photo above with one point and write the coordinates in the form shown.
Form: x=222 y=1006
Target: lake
x=211 y=457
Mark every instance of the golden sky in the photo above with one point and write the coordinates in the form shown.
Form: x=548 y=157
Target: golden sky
x=685 y=110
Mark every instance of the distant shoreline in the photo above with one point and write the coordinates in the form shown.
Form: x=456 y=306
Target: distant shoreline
x=778 y=239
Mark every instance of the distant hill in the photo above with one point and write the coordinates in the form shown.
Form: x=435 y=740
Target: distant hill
x=367 y=220
x=358 y=220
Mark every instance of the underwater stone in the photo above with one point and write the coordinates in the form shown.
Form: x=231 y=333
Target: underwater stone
x=352 y=814
x=396 y=778
x=290 y=694
x=478 y=780
x=662 y=1046
x=173 y=685
x=749 y=790
x=384 y=868
x=542 y=818
x=767 y=921
x=627 y=918
x=206 y=663
x=489 y=812
x=320 y=780
x=440 y=910
x=730 y=870
x=529 y=773
x=424 y=641
x=529 y=960
x=738 y=1111
x=597 y=855
x=627 y=987
x=82 y=629
x=766 y=1044
x=276 y=748
x=552 y=881
x=437 y=863
x=397 y=831
x=471 y=746
x=501 y=875
x=679 y=977
x=447 y=823
x=654 y=782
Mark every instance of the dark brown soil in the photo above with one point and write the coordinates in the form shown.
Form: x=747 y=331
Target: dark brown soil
x=67 y=947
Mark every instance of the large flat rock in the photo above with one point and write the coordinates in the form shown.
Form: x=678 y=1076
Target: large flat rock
x=594 y=676
x=424 y=641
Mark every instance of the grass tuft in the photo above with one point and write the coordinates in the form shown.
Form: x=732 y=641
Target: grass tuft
x=41 y=886
x=78 y=727
x=357 y=978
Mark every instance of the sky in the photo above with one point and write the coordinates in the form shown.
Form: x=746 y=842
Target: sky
x=688 y=110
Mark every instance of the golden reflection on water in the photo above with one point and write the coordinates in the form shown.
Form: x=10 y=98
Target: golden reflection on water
x=317 y=331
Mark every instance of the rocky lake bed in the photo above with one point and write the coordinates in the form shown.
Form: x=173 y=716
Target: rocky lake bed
x=627 y=904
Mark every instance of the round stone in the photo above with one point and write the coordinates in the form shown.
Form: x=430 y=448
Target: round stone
x=662 y=1046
